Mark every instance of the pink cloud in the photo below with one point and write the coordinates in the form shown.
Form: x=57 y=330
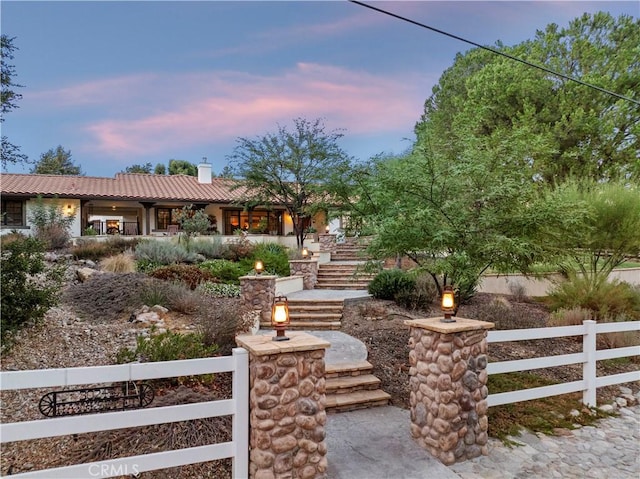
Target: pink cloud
x=223 y=106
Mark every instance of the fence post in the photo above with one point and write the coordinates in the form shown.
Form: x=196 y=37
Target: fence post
x=448 y=387
x=287 y=414
x=240 y=465
x=589 y=366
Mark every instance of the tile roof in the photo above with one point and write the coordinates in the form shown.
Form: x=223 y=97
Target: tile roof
x=129 y=186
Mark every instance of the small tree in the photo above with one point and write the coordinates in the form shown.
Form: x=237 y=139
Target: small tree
x=192 y=222
x=182 y=167
x=160 y=169
x=289 y=168
x=146 y=168
x=52 y=225
x=29 y=289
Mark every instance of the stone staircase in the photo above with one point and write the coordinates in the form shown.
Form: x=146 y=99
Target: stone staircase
x=348 y=252
x=351 y=386
x=316 y=314
x=343 y=275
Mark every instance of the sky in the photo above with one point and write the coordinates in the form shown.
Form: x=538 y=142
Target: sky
x=119 y=83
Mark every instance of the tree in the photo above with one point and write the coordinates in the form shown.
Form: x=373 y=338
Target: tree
x=56 y=162
x=182 y=167
x=570 y=129
x=146 y=168
x=160 y=169
x=227 y=172
x=10 y=152
x=51 y=225
x=289 y=168
x=193 y=222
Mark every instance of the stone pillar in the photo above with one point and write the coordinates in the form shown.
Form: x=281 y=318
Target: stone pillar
x=257 y=292
x=448 y=387
x=306 y=268
x=327 y=242
x=286 y=406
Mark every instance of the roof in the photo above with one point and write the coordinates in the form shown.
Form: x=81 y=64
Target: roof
x=128 y=186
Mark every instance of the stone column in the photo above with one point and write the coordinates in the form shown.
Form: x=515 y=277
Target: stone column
x=327 y=242
x=448 y=387
x=306 y=268
x=286 y=406
x=257 y=292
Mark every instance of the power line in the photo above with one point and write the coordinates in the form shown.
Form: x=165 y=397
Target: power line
x=497 y=52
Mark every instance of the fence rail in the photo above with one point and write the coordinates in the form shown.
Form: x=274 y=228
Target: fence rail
x=238 y=406
x=588 y=358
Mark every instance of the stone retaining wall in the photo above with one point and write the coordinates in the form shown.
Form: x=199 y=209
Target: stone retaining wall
x=306 y=268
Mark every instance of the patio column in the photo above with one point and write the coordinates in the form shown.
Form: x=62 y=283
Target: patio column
x=448 y=387
x=287 y=414
x=146 y=228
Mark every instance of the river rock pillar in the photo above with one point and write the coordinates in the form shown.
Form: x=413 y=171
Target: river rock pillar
x=306 y=268
x=448 y=387
x=257 y=293
x=287 y=414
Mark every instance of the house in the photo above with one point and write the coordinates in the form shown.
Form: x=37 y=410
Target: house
x=137 y=204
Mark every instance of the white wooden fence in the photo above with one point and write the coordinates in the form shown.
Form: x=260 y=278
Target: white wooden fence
x=588 y=357
x=238 y=407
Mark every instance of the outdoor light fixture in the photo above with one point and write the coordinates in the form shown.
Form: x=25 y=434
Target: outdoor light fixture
x=306 y=254
x=69 y=209
x=280 y=317
x=326 y=230
x=259 y=267
x=448 y=304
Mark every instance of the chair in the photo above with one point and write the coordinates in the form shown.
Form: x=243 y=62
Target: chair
x=172 y=230
x=130 y=229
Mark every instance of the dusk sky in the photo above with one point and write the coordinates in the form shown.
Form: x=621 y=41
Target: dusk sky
x=122 y=83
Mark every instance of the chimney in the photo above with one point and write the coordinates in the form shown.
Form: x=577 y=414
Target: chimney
x=204 y=172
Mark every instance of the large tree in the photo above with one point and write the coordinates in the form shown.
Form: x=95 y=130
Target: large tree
x=182 y=167
x=146 y=168
x=289 y=168
x=571 y=129
x=56 y=162
x=10 y=152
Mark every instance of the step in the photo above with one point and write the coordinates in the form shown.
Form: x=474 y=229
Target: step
x=345 y=369
x=308 y=326
x=354 y=286
x=300 y=316
x=348 y=384
x=356 y=400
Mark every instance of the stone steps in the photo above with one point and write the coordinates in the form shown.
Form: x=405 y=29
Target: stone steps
x=351 y=386
x=313 y=315
x=342 y=276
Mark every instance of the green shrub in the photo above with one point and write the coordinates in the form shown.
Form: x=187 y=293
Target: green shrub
x=182 y=299
x=164 y=252
x=167 y=346
x=239 y=247
x=605 y=299
x=225 y=270
x=147 y=266
x=222 y=323
x=189 y=274
x=274 y=256
x=421 y=296
x=29 y=288
x=155 y=292
x=219 y=290
x=388 y=283
x=52 y=226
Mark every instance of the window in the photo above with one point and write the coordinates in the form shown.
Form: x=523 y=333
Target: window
x=256 y=221
x=163 y=218
x=13 y=213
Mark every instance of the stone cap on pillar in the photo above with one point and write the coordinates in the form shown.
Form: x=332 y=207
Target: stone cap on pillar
x=258 y=276
x=262 y=345
x=460 y=325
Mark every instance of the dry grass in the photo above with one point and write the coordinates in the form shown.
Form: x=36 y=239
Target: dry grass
x=120 y=263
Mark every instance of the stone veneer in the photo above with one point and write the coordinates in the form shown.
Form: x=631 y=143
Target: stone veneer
x=306 y=268
x=287 y=406
x=448 y=387
x=327 y=242
x=257 y=292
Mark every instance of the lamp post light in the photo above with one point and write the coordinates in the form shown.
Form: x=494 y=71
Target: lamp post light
x=306 y=254
x=280 y=317
x=258 y=267
x=327 y=229
x=448 y=304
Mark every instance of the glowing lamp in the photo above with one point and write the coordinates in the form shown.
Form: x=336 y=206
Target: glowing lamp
x=326 y=230
x=258 y=267
x=305 y=253
x=448 y=304
x=280 y=317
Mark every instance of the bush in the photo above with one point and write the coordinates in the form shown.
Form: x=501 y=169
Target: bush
x=388 y=283
x=120 y=263
x=605 y=299
x=210 y=248
x=238 y=248
x=222 y=323
x=189 y=274
x=182 y=299
x=96 y=250
x=225 y=270
x=421 y=296
x=167 y=346
x=29 y=289
x=219 y=290
x=275 y=258
x=51 y=224
x=164 y=252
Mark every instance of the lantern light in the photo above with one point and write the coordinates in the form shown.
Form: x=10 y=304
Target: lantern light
x=327 y=229
x=258 y=267
x=448 y=304
x=306 y=254
x=280 y=317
